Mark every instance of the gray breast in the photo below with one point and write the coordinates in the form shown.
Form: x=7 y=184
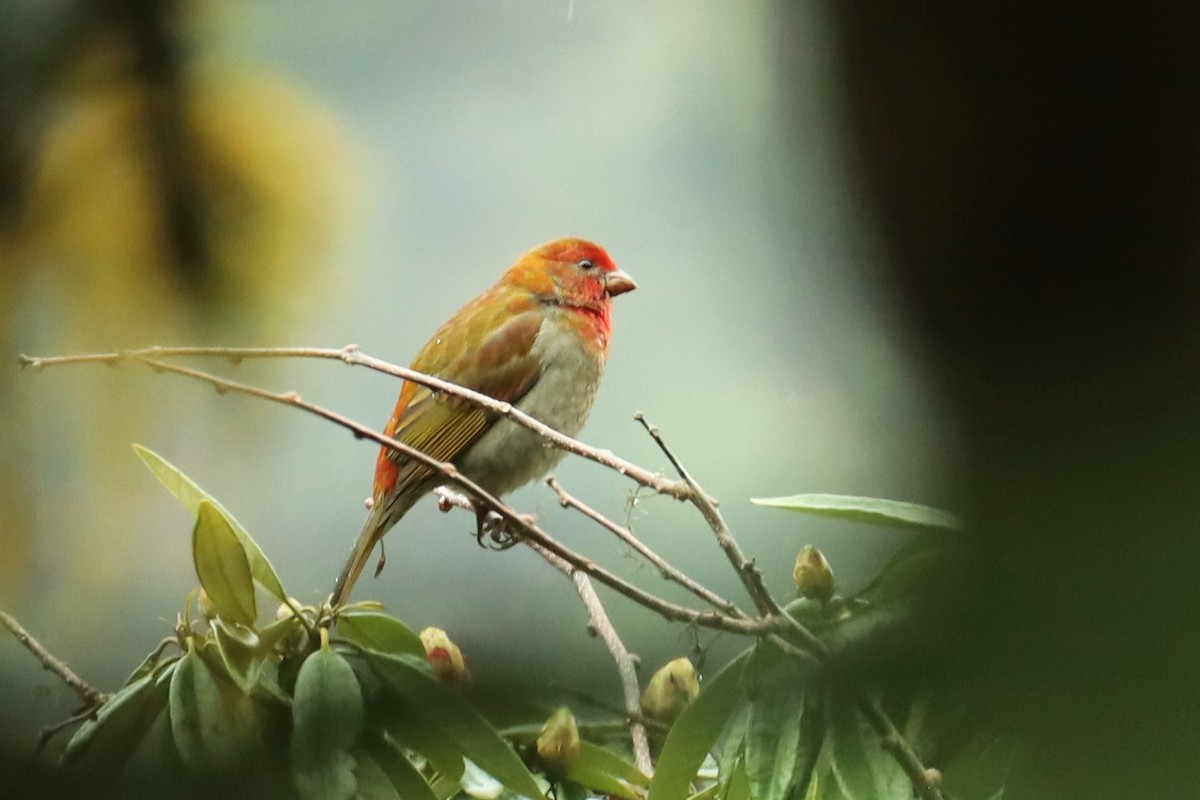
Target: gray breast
x=509 y=456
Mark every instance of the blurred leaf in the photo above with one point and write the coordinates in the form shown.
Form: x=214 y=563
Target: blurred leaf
x=373 y=630
x=213 y=729
x=222 y=567
x=192 y=496
x=980 y=771
x=411 y=729
x=772 y=738
x=406 y=779
x=875 y=510
x=601 y=782
x=734 y=745
x=863 y=770
x=240 y=650
x=150 y=664
x=927 y=564
x=696 y=730
x=271 y=635
x=327 y=720
x=371 y=782
x=411 y=677
x=610 y=763
x=479 y=784
x=101 y=746
x=739 y=787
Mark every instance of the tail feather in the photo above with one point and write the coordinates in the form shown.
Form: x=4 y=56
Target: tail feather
x=381 y=519
x=371 y=533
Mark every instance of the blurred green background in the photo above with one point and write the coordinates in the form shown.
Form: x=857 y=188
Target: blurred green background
x=280 y=173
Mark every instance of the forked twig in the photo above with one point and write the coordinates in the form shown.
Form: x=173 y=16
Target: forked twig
x=92 y=697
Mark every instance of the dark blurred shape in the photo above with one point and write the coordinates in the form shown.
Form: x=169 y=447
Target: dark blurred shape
x=43 y=47
x=1034 y=170
x=159 y=63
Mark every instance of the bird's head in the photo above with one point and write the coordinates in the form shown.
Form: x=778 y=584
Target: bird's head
x=570 y=272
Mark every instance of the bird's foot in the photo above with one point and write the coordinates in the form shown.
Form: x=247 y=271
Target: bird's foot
x=500 y=533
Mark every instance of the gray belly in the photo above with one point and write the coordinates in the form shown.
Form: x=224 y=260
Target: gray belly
x=509 y=456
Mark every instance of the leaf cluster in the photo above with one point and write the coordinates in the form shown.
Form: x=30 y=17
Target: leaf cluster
x=318 y=703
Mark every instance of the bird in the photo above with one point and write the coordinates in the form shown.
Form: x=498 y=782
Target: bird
x=538 y=339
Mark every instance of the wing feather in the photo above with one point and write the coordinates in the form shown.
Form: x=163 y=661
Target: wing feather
x=503 y=367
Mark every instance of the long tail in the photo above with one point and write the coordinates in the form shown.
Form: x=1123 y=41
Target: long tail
x=383 y=516
x=360 y=554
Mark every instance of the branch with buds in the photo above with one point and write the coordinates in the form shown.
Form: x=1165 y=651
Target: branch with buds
x=770 y=620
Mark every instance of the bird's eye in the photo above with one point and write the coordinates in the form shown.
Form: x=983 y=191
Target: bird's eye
x=587 y=264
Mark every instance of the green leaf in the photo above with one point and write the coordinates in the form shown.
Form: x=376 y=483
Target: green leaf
x=371 y=782
x=281 y=630
x=101 y=746
x=214 y=727
x=695 y=731
x=406 y=779
x=411 y=678
x=875 y=510
x=773 y=729
x=412 y=730
x=929 y=565
x=739 y=787
x=373 y=630
x=612 y=764
x=606 y=773
x=982 y=768
x=327 y=720
x=192 y=496
x=222 y=567
x=240 y=650
x=861 y=767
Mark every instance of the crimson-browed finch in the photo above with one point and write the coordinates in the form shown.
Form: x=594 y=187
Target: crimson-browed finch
x=537 y=339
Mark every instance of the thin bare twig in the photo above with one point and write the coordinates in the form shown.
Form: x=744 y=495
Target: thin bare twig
x=529 y=531
x=774 y=621
x=93 y=697
x=743 y=566
x=50 y=731
x=891 y=740
x=452 y=475
x=665 y=568
x=350 y=354
x=626 y=662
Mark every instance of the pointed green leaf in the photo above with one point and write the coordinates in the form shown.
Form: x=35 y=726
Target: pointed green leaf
x=874 y=510
x=409 y=728
x=927 y=565
x=405 y=779
x=610 y=763
x=982 y=767
x=327 y=720
x=371 y=782
x=733 y=749
x=191 y=496
x=215 y=727
x=240 y=650
x=861 y=767
x=411 y=678
x=222 y=567
x=101 y=746
x=773 y=730
x=696 y=730
x=277 y=633
x=739 y=784
x=601 y=782
x=373 y=630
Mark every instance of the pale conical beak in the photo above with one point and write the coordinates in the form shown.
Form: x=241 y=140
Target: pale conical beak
x=617 y=282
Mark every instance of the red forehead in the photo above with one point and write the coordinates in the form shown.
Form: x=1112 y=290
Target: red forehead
x=575 y=250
